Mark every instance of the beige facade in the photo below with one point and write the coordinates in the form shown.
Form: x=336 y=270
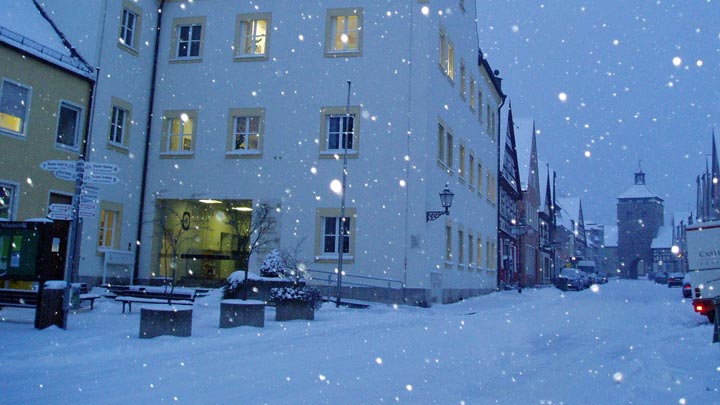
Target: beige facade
x=27 y=142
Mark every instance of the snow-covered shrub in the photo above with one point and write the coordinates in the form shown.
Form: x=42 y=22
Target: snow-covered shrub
x=235 y=281
x=308 y=294
x=274 y=265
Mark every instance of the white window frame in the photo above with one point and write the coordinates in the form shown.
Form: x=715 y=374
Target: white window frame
x=248 y=113
x=168 y=119
x=447 y=55
x=330 y=114
x=129 y=30
x=245 y=21
x=177 y=45
x=332 y=36
x=76 y=137
x=26 y=111
x=105 y=240
x=322 y=217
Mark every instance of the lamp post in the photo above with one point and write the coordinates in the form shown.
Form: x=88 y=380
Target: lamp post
x=341 y=232
x=446 y=200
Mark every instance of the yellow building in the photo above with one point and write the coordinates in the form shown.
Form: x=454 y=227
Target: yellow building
x=45 y=98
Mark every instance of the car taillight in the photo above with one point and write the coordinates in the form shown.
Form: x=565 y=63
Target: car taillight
x=698 y=308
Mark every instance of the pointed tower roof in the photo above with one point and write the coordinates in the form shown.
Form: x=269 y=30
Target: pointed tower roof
x=510 y=171
x=639 y=190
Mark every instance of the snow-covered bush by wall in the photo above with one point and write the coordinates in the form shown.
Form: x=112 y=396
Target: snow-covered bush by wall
x=308 y=294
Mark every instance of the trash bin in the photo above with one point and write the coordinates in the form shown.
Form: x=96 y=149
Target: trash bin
x=74 y=299
x=52 y=309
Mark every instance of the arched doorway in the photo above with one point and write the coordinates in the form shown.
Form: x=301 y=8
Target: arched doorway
x=634 y=269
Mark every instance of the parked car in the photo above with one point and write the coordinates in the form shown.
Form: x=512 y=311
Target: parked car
x=675 y=280
x=687 y=289
x=570 y=279
x=661 y=278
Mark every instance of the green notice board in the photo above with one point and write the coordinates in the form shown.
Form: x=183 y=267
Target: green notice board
x=19 y=248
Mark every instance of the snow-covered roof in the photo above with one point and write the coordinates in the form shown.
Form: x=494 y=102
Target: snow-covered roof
x=24 y=27
x=571 y=205
x=663 y=240
x=639 y=191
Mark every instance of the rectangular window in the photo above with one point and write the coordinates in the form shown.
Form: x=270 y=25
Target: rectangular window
x=68 y=127
x=471 y=253
x=187 y=39
x=461 y=162
x=471 y=174
x=129 y=37
x=480 y=178
x=8 y=194
x=334 y=233
x=447 y=55
x=340 y=130
x=107 y=228
x=441 y=143
x=480 y=106
x=461 y=248
x=488 y=255
x=14 y=108
x=117 y=125
x=179 y=132
x=449 y=150
x=472 y=94
x=247 y=126
x=448 y=243
x=479 y=252
x=343 y=36
x=253 y=35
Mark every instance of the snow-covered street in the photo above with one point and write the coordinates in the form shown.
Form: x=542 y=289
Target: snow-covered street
x=629 y=342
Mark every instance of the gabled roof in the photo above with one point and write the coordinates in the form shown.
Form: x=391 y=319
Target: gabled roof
x=25 y=26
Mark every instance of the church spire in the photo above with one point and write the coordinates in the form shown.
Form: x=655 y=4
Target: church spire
x=639 y=175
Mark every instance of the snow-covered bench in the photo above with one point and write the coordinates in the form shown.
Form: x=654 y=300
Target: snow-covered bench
x=149 y=297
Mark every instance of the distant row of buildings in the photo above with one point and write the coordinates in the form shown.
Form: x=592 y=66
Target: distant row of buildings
x=230 y=124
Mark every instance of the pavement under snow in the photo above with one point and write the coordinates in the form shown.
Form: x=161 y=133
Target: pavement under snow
x=626 y=342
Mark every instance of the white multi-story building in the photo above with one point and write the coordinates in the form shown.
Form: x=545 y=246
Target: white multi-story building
x=252 y=108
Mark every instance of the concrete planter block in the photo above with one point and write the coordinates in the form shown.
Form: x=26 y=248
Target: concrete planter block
x=289 y=310
x=165 y=321
x=235 y=313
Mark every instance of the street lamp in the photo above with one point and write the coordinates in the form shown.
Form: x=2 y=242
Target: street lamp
x=446 y=199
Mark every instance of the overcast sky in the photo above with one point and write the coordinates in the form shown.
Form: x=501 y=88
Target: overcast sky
x=641 y=81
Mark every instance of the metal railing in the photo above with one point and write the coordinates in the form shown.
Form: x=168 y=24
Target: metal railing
x=329 y=278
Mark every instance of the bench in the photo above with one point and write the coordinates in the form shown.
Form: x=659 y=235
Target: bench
x=85 y=294
x=18 y=298
x=143 y=296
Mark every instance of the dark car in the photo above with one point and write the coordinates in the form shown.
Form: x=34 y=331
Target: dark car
x=661 y=278
x=687 y=289
x=675 y=280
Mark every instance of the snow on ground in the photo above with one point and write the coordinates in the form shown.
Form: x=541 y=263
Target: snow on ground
x=630 y=342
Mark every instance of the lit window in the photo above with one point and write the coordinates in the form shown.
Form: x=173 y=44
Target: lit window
x=107 y=228
x=343 y=35
x=14 y=108
x=68 y=127
x=447 y=55
x=179 y=132
x=253 y=36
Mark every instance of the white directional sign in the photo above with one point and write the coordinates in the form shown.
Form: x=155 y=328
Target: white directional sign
x=87 y=206
x=61 y=207
x=54 y=165
x=60 y=215
x=101 y=168
x=100 y=178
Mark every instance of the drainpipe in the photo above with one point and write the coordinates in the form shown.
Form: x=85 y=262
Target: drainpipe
x=498 y=191
x=148 y=130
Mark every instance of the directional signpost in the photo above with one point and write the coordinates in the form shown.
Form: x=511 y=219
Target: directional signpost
x=85 y=200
